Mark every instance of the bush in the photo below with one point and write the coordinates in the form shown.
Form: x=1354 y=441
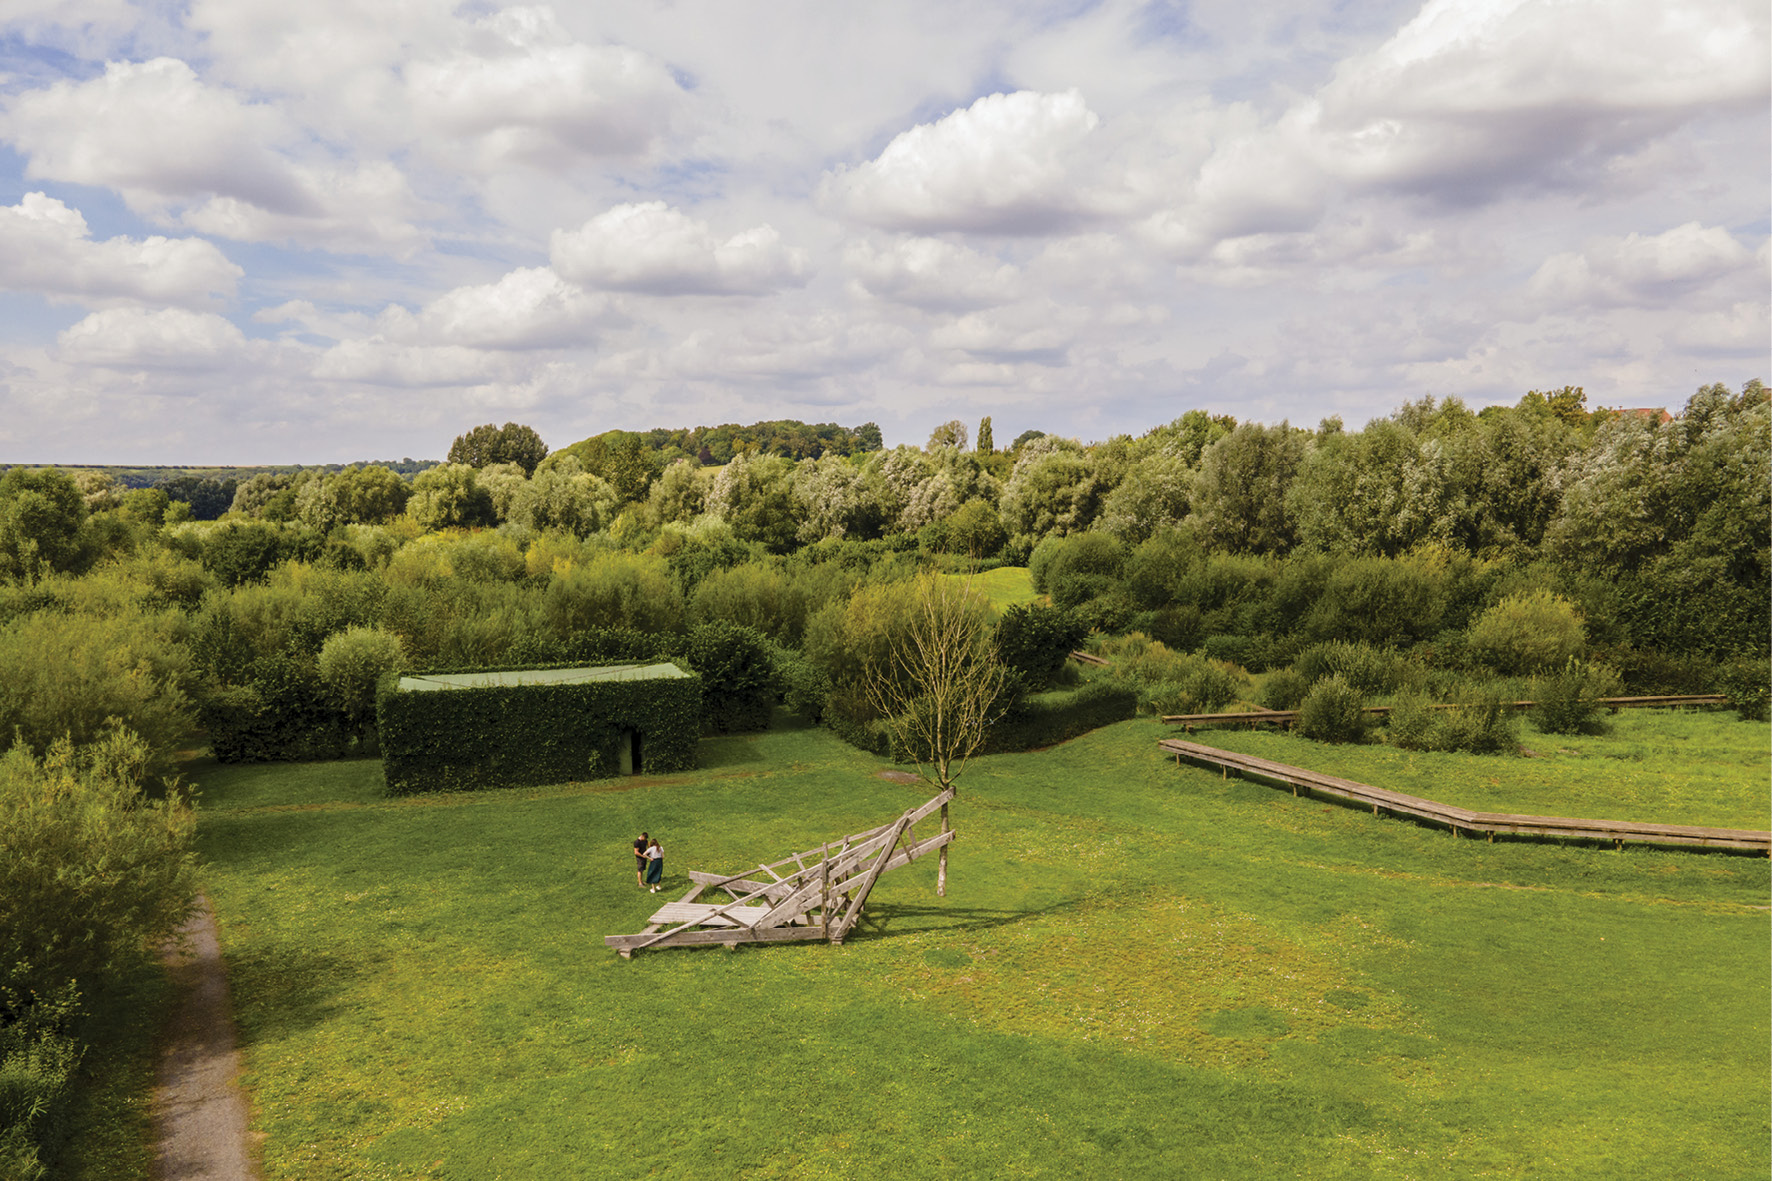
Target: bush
x=352 y=663
x=73 y=676
x=38 y=1058
x=1482 y=724
x=1035 y=641
x=1569 y=699
x=1372 y=671
x=1528 y=634
x=1747 y=681
x=1171 y=682
x=91 y=870
x=239 y=554
x=1285 y=689
x=739 y=686
x=1332 y=712
x=618 y=590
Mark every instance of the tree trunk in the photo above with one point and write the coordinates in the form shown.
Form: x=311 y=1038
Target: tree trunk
x=941 y=860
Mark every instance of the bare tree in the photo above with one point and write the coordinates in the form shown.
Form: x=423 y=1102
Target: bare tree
x=941 y=687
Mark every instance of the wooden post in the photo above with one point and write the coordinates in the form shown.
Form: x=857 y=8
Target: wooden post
x=941 y=858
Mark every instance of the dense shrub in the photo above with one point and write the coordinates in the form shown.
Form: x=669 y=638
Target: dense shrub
x=618 y=590
x=1171 y=682
x=1378 y=601
x=1371 y=671
x=1569 y=699
x=74 y=676
x=1528 y=634
x=1035 y=640
x=1285 y=689
x=38 y=1058
x=739 y=686
x=1332 y=712
x=351 y=665
x=1481 y=723
x=1747 y=682
x=1079 y=561
x=239 y=554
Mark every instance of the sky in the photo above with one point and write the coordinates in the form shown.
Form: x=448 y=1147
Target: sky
x=251 y=232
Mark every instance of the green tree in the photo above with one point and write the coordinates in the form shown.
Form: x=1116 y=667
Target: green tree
x=985 y=443
x=1054 y=489
x=351 y=664
x=754 y=495
x=41 y=512
x=1239 y=496
x=511 y=443
x=449 y=496
x=942 y=688
x=949 y=434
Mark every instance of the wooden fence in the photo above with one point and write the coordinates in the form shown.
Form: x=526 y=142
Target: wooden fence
x=1463 y=821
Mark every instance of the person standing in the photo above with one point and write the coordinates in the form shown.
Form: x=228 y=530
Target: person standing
x=654 y=865
x=640 y=860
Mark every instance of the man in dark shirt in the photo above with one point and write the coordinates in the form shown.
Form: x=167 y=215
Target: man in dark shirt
x=640 y=860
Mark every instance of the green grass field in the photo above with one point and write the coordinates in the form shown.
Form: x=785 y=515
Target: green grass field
x=1703 y=767
x=1139 y=971
x=1004 y=587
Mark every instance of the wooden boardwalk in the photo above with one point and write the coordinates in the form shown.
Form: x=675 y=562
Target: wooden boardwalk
x=1463 y=821
x=1286 y=717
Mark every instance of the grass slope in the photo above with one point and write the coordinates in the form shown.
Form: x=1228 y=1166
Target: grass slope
x=1139 y=971
x=1676 y=766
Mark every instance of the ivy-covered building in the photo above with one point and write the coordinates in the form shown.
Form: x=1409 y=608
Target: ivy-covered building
x=451 y=731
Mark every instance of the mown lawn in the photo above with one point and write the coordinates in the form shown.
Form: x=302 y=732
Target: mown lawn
x=1005 y=586
x=1139 y=971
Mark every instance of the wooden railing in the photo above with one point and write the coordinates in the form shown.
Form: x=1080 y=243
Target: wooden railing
x=1463 y=821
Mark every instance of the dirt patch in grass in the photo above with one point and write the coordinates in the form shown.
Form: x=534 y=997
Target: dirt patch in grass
x=897 y=776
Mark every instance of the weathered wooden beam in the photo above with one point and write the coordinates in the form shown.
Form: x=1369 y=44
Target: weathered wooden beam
x=873 y=875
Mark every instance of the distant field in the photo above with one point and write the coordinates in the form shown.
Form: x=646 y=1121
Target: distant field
x=1139 y=971
x=1681 y=767
x=1005 y=586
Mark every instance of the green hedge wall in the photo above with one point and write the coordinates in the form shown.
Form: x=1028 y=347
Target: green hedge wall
x=528 y=735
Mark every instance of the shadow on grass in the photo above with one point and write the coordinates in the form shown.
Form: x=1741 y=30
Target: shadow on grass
x=902 y=919
x=279 y=991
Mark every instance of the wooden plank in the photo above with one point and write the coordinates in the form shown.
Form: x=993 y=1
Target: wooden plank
x=1461 y=818
x=707 y=915
x=860 y=898
x=688 y=938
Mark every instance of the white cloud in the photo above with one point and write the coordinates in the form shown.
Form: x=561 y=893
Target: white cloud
x=155 y=133
x=46 y=247
x=530 y=308
x=931 y=273
x=169 y=338
x=1008 y=164
x=380 y=362
x=522 y=89
x=1477 y=96
x=656 y=250
x=1640 y=270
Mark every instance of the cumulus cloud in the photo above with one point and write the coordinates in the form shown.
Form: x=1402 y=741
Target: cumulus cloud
x=155 y=133
x=46 y=247
x=521 y=88
x=167 y=338
x=1639 y=270
x=530 y=308
x=1476 y=96
x=654 y=249
x=931 y=273
x=1008 y=164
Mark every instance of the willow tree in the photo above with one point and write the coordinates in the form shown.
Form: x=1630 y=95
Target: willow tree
x=941 y=686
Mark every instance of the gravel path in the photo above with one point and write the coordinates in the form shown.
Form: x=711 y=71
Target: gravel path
x=198 y=1105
